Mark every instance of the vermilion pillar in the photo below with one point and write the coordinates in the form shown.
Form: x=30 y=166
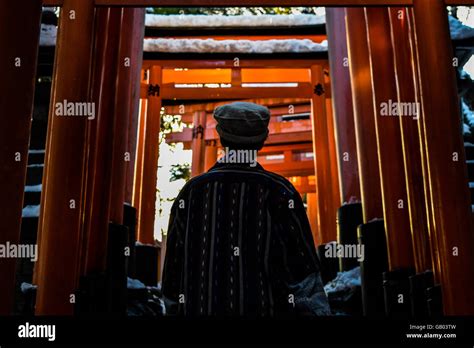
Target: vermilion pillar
x=136 y=57
x=100 y=145
x=198 y=144
x=451 y=206
x=211 y=154
x=327 y=198
x=342 y=105
x=19 y=51
x=65 y=163
x=406 y=90
x=147 y=191
x=127 y=77
x=364 y=119
x=389 y=141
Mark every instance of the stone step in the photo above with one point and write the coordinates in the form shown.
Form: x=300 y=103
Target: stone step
x=36 y=156
x=34 y=174
x=32 y=198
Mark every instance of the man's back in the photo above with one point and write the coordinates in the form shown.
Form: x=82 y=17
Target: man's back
x=239 y=243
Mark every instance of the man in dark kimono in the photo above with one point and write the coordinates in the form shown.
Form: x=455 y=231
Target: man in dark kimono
x=239 y=240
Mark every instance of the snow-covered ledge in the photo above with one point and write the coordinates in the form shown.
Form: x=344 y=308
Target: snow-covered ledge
x=202 y=21
x=233 y=46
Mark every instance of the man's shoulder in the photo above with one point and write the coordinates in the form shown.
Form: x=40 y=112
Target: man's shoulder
x=271 y=180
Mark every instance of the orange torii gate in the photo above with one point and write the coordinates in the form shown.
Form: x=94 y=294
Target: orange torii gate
x=251 y=69
x=448 y=210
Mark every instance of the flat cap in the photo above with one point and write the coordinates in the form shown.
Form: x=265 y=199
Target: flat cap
x=242 y=123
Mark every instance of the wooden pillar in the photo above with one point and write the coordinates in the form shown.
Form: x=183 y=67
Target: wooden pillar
x=364 y=119
x=138 y=175
x=335 y=188
x=312 y=212
x=321 y=146
x=451 y=206
x=198 y=144
x=424 y=155
x=100 y=141
x=343 y=117
x=130 y=31
x=65 y=162
x=389 y=141
x=18 y=60
x=406 y=90
x=136 y=59
x=210 y=154
x=151 y=147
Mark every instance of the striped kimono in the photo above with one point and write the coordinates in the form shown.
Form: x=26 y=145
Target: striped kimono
x=239 y=243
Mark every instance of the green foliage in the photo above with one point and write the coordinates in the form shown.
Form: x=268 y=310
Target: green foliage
x=180 y=171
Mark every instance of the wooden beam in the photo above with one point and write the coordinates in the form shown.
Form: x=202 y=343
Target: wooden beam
x=389 y=141
x=65 y=164
x=364 y=120
x=295 y=168
x=19 y=45
x=210 y=107
x=451 y=205
x=348 y=169
x=406 y=90
x=147 y=192
x=170 y=92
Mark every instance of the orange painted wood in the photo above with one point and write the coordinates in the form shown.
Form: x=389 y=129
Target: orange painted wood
x=433 y=238
x=348 y=169
x=364 y=120
x=99 y=142
x=451 y=204
x=389 y=141
x=123 y=105
x=65 y=163
x=406 y=90
x=169 y=91
x=335 y=186
x=210 y=154
x=147 y=203
x=189 y=108
x=139 y=159
x=198 y=143
x=322 y=160
x=312 y=212
x=19 y=46
x=136 y=58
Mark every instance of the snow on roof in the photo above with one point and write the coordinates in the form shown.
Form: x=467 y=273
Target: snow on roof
x=196 y=21
x=460 y=31
x=233 y=46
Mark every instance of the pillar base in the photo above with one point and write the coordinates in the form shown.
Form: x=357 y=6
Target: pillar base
x=396 y=286
x=372 y=237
